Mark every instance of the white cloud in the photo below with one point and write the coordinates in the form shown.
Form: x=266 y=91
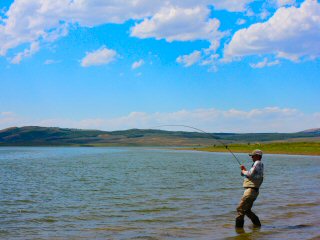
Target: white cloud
x=189 y=60
x=8 y=119
x=264 y=63
x=231 y=5
x=268 y=119
x=183 y=24
x=228 y=5
x=280 y=3
x=34 y=47
x=241 y=21
x=210 y=60
x=28 y=21
x=264 y=14
x=99 y=57
x=291 y=33
x=178 y=24
x=50 y=61
x=137 y=64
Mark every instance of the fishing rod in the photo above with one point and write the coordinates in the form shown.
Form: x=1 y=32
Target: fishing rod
x=209 y=134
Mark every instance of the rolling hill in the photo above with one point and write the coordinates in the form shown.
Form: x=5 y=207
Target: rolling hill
x=53 y=136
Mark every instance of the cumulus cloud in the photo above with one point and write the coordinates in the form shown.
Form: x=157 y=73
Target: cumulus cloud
x=28 y=21
x=292 y=33
x=34 y=47
x=98 y=57
x=264 y=63
x=264 y=14
x=189 y=60
x=268 y=119
x=241 y=21
x=137 y=64
x=281 y=3
x=231 y=5
x=178 y=24
x=50 y=61
x=183 y=24
x=7 y=119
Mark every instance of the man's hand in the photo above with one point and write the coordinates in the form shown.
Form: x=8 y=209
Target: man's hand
x=243 y=168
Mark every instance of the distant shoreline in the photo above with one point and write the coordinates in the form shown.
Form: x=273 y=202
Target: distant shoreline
x=265 y=152
x=289 y=148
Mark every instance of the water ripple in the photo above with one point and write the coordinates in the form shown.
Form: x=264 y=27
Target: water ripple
x=144 y=193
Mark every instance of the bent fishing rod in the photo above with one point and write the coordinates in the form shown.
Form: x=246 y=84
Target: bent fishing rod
x=209 y=134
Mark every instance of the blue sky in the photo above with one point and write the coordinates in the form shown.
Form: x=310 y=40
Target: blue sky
x=224 y=66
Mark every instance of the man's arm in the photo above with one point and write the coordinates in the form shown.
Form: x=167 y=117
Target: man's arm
x=243 y=168
x=249 y=173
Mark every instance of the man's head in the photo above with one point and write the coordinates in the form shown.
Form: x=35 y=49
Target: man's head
x=256 y=155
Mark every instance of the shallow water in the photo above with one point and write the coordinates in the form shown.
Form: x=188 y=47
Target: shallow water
x=145 y=193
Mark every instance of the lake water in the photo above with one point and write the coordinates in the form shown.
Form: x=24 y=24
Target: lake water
x=145 y=193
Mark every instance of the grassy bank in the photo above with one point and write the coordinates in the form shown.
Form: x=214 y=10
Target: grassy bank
x=303 y=148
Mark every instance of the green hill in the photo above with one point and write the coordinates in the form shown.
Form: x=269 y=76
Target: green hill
x=52 y=136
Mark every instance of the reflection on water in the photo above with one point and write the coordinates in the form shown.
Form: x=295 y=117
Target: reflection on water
x=144 y=193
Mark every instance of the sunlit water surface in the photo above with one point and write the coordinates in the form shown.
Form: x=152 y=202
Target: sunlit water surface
x=145 y=193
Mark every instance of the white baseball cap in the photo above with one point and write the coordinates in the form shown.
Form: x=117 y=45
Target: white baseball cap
x=256 y=152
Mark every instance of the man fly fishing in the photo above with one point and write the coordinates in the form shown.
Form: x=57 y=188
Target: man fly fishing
x=252 y=182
